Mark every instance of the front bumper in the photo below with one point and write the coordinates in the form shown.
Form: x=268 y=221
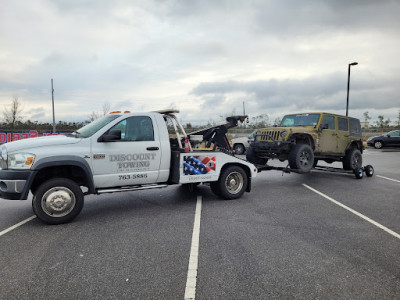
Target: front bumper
x=271 y=148
x=15 y=184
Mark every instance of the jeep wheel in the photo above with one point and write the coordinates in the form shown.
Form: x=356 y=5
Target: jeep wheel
x=232 y=183
x=352 y=160
x=252 y=157
x=301 y=158
x=378 y=145
x=57 y=201
x=239 y=149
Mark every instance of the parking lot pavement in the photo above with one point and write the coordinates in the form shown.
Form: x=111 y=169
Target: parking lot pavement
x=282 y=240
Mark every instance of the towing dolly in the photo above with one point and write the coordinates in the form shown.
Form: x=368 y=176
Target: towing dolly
x=358 y=172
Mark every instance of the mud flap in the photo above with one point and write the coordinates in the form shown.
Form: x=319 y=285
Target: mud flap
x=248 y=188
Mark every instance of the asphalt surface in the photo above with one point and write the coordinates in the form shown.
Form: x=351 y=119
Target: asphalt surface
x=282 y=240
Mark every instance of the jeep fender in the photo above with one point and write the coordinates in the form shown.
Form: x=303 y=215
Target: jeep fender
x=355 y=144
x=303 y=138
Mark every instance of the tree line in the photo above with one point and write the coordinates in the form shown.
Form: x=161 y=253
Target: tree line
x=13 y=121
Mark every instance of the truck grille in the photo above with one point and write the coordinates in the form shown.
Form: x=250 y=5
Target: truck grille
x=269 y=136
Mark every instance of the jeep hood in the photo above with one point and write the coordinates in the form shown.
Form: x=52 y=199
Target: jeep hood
x=45 y=141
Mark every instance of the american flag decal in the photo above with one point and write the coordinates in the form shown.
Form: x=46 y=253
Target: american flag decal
x=198 y=165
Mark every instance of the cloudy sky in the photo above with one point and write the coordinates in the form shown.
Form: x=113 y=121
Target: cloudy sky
x=202 y=57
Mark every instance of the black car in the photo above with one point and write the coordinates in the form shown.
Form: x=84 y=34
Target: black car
x=390 y=139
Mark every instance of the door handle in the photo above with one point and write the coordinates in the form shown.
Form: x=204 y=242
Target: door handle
x=152 y=148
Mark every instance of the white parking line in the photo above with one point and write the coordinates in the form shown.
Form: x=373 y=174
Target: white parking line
x=190 y=290
x=354 y=212
x=16 y=225
x=388 y=178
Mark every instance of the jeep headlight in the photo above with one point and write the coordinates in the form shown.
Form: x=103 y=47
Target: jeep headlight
x=20 y=161
x=283 y=133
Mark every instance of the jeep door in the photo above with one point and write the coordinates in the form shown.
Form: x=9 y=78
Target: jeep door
x=342 y=134
x=327 y=138
x=132 y=159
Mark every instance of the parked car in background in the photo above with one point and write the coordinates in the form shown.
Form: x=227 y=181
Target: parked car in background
x=390 y=139
x=240 y=144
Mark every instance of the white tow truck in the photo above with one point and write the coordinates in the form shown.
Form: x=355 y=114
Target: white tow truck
x=116 y=153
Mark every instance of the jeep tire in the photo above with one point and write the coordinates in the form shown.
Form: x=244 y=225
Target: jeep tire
x=352 y=160
x=57 y=201
x=252 y=157
x=301 y=158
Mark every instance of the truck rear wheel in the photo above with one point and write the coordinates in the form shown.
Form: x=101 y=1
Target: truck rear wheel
x=301 y=158
x=58 y=201
x=232 y=183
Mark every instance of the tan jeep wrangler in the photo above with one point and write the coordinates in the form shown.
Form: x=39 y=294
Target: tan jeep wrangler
x=305 y=138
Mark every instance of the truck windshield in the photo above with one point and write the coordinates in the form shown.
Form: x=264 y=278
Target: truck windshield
x=93 y=127
x=300 y=120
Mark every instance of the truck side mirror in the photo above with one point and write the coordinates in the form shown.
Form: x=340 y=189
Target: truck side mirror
x=112 y=135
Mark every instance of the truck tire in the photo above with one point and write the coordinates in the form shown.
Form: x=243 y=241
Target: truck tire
x=232 y=183
x=252 y=157
x=239 y=149
x=352 y=160
x=301 y=158
x=57 y=201
x=215 y=188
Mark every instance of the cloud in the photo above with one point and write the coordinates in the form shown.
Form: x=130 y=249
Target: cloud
x=323 y=93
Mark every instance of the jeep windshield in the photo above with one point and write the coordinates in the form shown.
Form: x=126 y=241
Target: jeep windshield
x=300 y=120
x=93 y=127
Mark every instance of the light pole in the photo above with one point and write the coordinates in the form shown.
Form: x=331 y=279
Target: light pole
x=52 y=101
x=348 y=87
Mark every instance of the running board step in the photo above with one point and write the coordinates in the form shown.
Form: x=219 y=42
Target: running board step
x=132 y=188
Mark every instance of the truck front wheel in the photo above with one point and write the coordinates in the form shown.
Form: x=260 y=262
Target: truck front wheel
x=232 y=183
x=57 y=201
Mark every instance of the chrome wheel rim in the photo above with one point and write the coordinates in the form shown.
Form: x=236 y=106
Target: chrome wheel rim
x=58 y=202
x=234 y=182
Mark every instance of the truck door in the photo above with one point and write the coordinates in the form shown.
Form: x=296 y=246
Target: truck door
x=132 y=160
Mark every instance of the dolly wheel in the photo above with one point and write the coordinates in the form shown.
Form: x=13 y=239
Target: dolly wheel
x=359 y=172
x=369 y=171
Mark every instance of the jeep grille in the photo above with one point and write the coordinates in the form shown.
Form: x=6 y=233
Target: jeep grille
x=269 y=136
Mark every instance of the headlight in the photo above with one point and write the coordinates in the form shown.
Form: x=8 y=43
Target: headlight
x=3 y=158
x=283 y=133
x=20 y=160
